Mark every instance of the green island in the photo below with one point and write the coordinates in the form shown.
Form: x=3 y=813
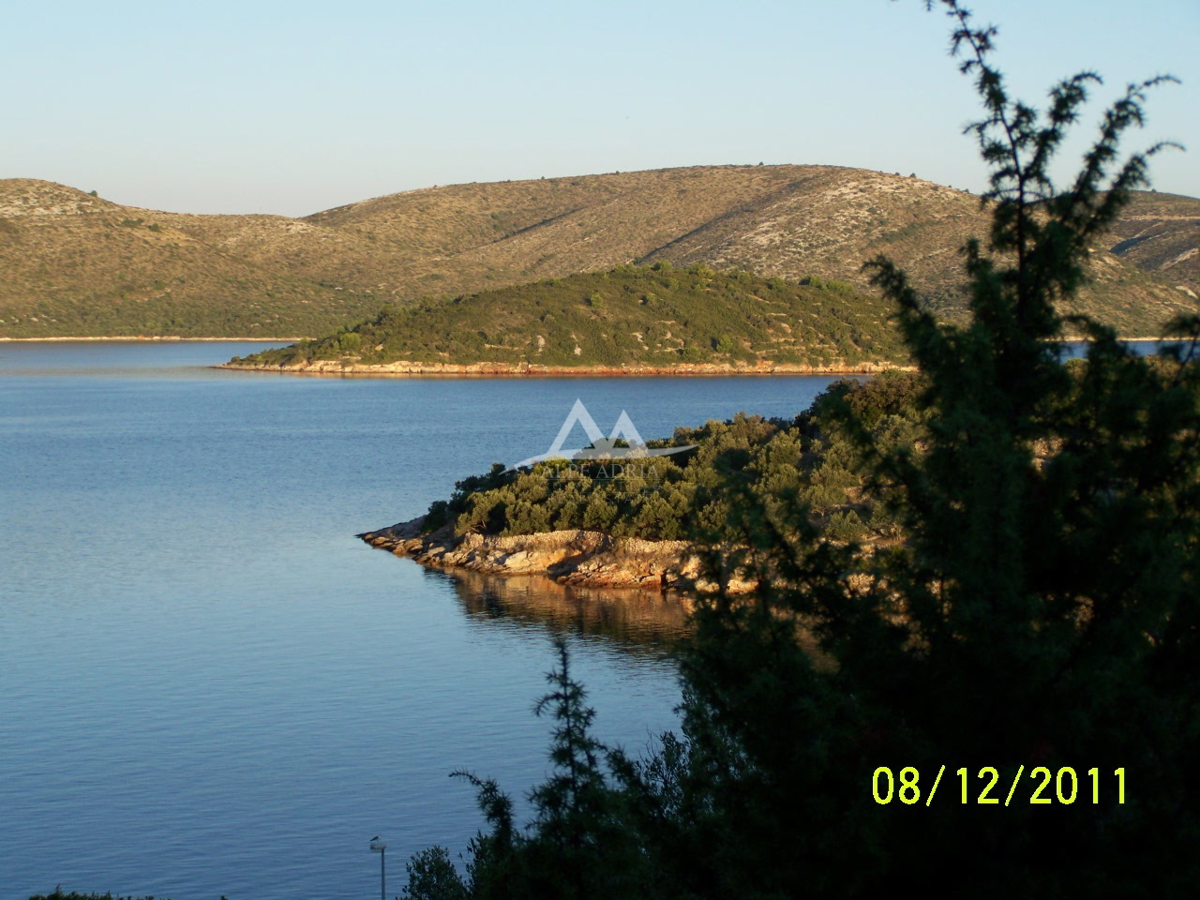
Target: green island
x=632 y=318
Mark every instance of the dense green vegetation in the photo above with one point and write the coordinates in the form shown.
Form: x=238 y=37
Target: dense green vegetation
x=1030 y=641
x=810 y=458
x=647 y=316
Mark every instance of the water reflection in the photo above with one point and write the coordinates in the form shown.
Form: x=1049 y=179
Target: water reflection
x=643 y=622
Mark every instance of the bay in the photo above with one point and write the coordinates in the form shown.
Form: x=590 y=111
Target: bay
x=209 y=686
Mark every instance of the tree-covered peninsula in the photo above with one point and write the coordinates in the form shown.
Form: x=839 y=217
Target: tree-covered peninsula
x=632 y=318
x=808 y=458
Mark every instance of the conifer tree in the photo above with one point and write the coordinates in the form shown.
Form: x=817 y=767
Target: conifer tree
x=1041 y=610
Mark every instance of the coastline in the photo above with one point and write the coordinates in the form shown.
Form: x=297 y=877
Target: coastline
x=406 y=369
x=337 y=368
x=579 y=558
x=144 y=338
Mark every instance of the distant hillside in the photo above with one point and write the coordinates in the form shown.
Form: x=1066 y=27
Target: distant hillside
x=656 y=317
x=74 y=264
x=1160 y=234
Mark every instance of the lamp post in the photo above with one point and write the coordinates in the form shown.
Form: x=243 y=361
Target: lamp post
x=377 y=846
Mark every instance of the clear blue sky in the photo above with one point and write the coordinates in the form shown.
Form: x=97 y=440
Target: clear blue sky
x=293 y=107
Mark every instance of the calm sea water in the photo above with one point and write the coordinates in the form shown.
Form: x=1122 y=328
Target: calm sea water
x=209 y=686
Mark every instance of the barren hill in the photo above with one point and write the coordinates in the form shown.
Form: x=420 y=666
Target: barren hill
x=74 y=264
x=1160 y=233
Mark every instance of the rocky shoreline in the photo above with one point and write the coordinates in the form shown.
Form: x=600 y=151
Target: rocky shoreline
x=403 y=369
x=152 y=338
x=582 y=558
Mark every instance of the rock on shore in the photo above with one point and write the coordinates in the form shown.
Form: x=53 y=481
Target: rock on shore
x=589 y=558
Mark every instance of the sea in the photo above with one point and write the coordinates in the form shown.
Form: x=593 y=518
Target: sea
x=210 y=687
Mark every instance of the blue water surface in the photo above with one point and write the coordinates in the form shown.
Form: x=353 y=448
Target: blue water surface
x=209 y=686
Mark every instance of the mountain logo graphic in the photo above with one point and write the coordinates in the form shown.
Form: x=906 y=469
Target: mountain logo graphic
x=602 y=447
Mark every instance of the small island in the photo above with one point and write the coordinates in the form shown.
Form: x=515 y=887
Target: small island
x=632 y=320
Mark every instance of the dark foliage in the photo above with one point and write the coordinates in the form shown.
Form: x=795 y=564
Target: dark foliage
x=1040 y=610
x=669 y=497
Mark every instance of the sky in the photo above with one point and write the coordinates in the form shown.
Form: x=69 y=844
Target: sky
x=292 y=107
